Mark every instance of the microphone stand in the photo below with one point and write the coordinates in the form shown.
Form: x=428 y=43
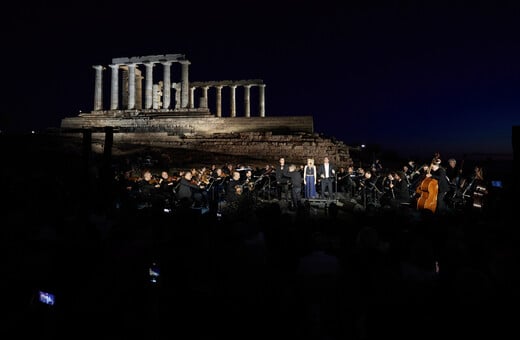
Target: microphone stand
x=335 y=186
x=269 y=188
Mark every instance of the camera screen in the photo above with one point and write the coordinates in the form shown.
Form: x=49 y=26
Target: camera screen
x=46 y=298
x=154 y=272
x=496 y=184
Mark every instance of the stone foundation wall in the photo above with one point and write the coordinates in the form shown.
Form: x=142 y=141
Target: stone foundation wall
x=201 y=125
x=262 y=140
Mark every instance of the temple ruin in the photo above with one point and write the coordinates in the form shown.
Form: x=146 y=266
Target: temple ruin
x=172 y=111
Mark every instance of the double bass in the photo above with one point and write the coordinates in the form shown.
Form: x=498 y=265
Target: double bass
x=428 y=189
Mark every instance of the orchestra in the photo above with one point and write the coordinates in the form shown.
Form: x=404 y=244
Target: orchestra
x=370 y=186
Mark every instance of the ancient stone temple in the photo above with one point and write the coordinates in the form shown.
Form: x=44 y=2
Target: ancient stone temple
x=174 y=112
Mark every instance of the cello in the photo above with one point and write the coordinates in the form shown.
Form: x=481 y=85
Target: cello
x=428 y=190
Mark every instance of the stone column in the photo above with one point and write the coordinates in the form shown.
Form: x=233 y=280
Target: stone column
x=204 y=98
x=167 y=84
x=247 y=100
x=138 y=89
x=131 y=86
x=185 y=87
x=233 y=101
x=148 y=89
x=219 y=100
x=157 y=93
x=261 y=99
x=192 y=97
x=177 y=88
x=98 y=90
x=114 y=87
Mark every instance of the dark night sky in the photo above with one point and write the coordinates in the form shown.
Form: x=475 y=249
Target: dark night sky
x=411 y=78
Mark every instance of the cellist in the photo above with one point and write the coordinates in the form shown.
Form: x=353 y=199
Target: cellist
x=438 y=172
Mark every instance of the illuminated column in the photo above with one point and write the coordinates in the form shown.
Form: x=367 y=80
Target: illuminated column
x=204 y=98
x=247 y=106
x=157 y=93
x=98 y=91
x=233 y=101
x=138 y=89
x=177 y=88
x=131 y=86
x=192 y=97
x=261 y=99
x=167 y=84
x=148 y=89
x=185 y=86
x=114 y=87
x=219 y=100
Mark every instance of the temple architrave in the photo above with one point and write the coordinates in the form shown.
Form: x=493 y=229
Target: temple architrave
x=172 y=111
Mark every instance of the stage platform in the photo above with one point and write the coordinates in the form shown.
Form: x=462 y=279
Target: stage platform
x=322 y=202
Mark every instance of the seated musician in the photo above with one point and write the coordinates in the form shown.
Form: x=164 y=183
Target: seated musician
x=147 y=190
x=476 y=189
x=248 y=182
x=165 y=187
x=189 y=192
x=399 y=189
x=231 y=186
x=217 y=186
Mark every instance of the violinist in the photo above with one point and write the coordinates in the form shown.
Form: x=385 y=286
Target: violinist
x=399 y=188
x=267 y=170
x=165 y=186
x=147 y=189
x=189 y=193
x=217 y=186
x=204 y=176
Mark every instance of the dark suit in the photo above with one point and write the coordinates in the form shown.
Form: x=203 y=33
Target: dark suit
x=327 y=180
x=443 y=188
x=296 y=187
x=282 y=181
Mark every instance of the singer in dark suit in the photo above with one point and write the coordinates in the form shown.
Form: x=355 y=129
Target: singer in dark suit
x=327 y=174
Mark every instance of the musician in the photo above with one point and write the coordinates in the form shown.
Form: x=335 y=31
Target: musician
x=189 y=192
x=266 y=171
x=218 y=187
x=248 y=182
x=296 y=185
x=231 y=187
x=417 y=177
x=327 y=174
x=399 y=189
x=453 y=171
x=282 y=181
x=147 y=189
x=476 y=189
x=369 y=192
x=410 y=169
x=387 y=185
x=349 y=182
x=377 y=167
x=439 y=173
x=165 y=187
